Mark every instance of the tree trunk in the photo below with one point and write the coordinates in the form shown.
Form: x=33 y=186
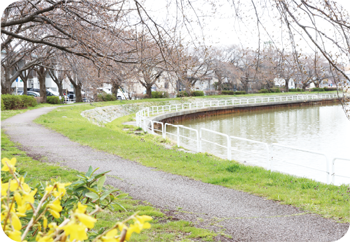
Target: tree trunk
x=78 y=97
x=287 y=85
x=5 y=88
x=42 y=88
x=149 y=91
x=25 y=86
x=60 y=88
x=115 y=88
x=6 y=84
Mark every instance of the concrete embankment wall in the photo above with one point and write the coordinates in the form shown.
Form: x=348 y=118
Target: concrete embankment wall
x=214 y=111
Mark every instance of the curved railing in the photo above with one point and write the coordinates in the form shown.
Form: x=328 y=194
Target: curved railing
x=194 y=139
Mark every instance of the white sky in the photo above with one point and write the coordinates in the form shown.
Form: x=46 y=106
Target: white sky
x=221 y=28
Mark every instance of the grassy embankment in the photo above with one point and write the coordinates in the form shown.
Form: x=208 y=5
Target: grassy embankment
x=164 y=227
x=327 y=200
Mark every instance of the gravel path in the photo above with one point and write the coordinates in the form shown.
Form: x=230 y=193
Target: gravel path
x=243 y=216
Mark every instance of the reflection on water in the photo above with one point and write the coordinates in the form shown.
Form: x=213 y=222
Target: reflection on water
x=318 y=128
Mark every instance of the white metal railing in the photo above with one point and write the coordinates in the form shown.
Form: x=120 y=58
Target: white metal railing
x=333 y=169
x=144 y=121
x=155 y=110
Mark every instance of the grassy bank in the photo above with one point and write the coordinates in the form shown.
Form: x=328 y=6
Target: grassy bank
x=164 y=226
x=327 y=200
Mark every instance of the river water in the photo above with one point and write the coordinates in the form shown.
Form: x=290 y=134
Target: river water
x=323 y=129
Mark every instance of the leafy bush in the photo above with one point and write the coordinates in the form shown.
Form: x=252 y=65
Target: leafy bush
x=275 y=90
x=182 y=94
x=160 y=94
x=197 y=93
x=296 y=90
x=54 y=100
x=193 y=93
x=227 y=92
x=29 y=101
x=317 y=89
x=17 y=101
x=240 y=92
x=263 y=91
x=58 y=211
x=2 y=105
x=329 y=89
x=105 y=97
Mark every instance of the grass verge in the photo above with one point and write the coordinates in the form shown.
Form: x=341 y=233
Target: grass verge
x=164 y=227
x=327 y=200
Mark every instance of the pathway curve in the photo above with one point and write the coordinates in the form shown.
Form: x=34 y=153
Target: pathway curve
x=243 y=216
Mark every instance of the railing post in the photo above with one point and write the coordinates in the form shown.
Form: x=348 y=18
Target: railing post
x=163 y=130
x=228 y=147
x=178 y=136
x=328 y=173
x=148 y=111
x=333 y=175
x=200 y=140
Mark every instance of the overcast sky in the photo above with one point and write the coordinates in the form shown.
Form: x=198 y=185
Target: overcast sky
x=217 y=25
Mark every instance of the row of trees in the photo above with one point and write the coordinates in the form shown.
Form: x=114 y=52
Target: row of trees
x=89 y=42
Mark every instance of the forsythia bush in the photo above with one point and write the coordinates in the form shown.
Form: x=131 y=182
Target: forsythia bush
x=59 y=211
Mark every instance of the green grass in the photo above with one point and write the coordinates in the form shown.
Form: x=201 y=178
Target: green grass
x=327 y=200
x=164 y=227
x=9 y=113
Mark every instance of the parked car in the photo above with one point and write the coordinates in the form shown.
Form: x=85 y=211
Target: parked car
x=33 y=94
x=71 y=95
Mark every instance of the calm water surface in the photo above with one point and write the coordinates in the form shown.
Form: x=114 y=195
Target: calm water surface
x=322 y=129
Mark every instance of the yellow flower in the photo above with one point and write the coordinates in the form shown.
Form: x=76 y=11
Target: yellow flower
x=75 y=231
x=14 y=185
x=15 y=235
x=15 y=222
x=11 y=164
x=54 y=213
x=87 y=220
x=45 y=239
x=48 y=189
x=4 y=188
x=110 y=236
x=81 y=208
x=55 y=205
x=29 y=197
x=61 y=188
x=21 y=210
x=45 y=222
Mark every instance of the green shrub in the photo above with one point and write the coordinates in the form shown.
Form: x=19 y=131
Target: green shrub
x=227 y=93
x=275 y=90
x=240 y=92
x=9 y=101
x=182 y=94
x=317 y=89
x=53 y=100
x=105 y=97
x=160 y=94
x=296 y=90
x=2 y=105
x=197 y=93
x=329 y=89
x=28 y=101
x=263 y=91
x=193 y=93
